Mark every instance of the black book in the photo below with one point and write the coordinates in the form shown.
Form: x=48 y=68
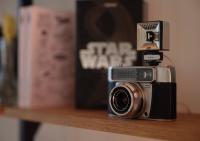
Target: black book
x=106 y=36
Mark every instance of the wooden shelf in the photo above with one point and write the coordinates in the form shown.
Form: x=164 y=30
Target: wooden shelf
x=185 y=128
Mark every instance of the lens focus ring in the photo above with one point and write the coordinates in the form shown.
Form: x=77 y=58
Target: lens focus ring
x=127 y=100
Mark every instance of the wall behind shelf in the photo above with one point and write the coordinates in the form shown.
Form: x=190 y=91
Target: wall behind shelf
x=184 y=19
x=7 y=7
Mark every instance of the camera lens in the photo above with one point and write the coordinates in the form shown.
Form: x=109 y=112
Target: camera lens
x=127 y=100
x=121 y=100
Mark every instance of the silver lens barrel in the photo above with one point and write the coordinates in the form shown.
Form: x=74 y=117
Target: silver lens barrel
x=127 y=100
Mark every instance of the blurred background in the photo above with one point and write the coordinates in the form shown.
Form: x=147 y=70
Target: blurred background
x=184 y=19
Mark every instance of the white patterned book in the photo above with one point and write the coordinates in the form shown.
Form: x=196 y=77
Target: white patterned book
x=46 y=58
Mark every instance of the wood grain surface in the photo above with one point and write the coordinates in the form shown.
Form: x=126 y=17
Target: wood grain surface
x=1 y=110
x=185 y=128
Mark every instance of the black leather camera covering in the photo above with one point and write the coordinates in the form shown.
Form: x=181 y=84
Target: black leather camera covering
x=163 y=104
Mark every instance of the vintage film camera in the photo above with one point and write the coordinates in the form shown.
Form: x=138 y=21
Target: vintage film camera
x=145 y=92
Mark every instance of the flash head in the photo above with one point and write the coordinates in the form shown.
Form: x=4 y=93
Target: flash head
x=153 y=35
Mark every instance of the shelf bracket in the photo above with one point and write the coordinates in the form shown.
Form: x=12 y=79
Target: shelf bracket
x=28 y=130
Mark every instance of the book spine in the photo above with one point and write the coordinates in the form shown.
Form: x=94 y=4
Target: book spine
x=24 y=47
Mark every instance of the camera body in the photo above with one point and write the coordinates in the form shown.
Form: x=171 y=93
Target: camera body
x=147 y=92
